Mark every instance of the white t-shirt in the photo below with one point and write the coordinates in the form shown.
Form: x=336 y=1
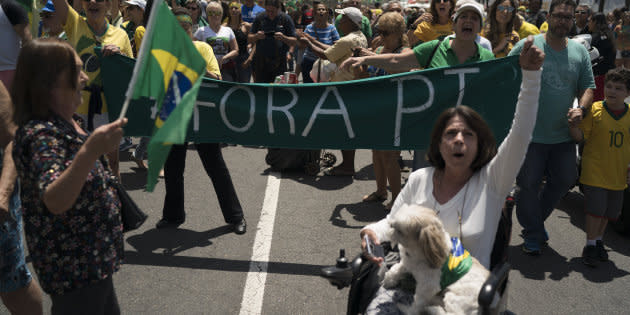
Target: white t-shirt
x=11 y=43
x=220 y=41
x=480 y=201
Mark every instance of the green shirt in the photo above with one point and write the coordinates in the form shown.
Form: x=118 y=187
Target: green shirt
x=564 y=74
x=445 y=56
x=366 y=29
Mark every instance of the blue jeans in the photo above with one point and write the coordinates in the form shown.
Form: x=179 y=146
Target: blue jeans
x=533 y=204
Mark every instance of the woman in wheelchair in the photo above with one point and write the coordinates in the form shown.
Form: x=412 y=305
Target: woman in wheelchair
x=469 y=178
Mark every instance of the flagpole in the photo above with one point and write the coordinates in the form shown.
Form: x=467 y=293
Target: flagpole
x=142 y=55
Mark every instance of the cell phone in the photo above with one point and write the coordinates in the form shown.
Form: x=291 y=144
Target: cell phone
x=373 y=250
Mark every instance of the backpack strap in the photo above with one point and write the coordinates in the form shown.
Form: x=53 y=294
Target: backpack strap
x=433 y=53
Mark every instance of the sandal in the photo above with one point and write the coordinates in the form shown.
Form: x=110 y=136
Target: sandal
x=335 y=171
x=374 y=197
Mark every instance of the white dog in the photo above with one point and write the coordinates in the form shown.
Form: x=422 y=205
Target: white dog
x=424 y=248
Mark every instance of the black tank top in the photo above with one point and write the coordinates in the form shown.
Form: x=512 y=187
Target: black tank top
x=241 y=41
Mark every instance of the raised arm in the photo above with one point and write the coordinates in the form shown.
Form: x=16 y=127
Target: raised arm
x=61 y=9
x=390 y=62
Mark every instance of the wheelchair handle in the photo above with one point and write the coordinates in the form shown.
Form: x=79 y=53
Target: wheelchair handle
x=495 y=282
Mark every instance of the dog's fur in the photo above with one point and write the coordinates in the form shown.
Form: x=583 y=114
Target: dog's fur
x=424 y=247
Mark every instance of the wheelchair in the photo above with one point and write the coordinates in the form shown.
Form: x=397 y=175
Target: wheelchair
x=361 y=275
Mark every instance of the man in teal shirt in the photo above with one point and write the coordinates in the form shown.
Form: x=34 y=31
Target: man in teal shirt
x=567 y=74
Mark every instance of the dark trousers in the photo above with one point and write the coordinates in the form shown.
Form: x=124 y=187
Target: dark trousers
x=212 y=159
x=266 y=69
x=533 y=205
x=98 y=299
x=307 y=66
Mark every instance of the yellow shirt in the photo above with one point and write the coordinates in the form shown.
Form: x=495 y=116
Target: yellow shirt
x=81 y=37
x=544 y=27
x=427 y=32
x=138 y=35
x=527 y=29
x=212 y=65
x=514 y=38
x=606 y=149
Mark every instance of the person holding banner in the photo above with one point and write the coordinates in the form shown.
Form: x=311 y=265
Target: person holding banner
x=469 y=177
x=86 y=34
x=392 y=29
x=451 y=51
x=349 y=24
x=70 y=203
x=173 y=213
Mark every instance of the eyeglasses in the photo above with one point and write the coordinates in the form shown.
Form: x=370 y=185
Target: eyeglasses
x=562 y=17
x=214 y=13
x=509 y=9
x=581 y=12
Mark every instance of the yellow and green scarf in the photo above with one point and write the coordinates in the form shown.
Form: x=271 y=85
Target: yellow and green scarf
x=456 y=265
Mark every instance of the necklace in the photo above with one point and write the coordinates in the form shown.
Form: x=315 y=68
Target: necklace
x=460 y=211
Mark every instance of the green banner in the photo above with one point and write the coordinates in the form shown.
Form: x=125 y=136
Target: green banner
x=395 y=112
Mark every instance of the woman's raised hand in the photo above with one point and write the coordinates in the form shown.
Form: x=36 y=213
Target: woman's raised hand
x=531 y=57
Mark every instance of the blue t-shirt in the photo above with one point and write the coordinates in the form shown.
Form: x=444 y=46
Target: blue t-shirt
x=328 y=36
x=249 y=14
x=564 y=74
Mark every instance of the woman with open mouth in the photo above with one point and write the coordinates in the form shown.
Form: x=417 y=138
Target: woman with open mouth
x=434 y=24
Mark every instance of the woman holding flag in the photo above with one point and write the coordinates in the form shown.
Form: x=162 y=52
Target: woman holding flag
x=88 y=35
x=71 y=207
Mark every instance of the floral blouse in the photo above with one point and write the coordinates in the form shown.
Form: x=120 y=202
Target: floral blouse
x=83 y=245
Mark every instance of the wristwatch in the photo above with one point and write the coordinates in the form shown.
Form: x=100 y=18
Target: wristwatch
x=584 y=110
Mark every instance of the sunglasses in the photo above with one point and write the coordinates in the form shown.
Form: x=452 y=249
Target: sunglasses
x=563 y=17
x=581 y=12
x=45 y=15
x=192 y=8
x=509 y=9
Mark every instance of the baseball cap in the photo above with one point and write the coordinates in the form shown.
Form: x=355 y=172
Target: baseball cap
x=140 y=3
x=50 y=7
x=468 y=5
x=352 y=13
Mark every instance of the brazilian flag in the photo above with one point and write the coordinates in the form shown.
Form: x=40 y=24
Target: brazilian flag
x=169 y=70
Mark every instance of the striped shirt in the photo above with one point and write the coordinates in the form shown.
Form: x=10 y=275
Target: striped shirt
x=328 y=36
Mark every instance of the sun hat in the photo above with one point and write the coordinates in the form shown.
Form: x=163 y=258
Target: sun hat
x=468 y=5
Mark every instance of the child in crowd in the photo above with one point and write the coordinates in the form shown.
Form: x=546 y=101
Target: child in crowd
x=605 y=130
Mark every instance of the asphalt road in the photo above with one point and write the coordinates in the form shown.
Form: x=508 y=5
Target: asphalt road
x=202 y=268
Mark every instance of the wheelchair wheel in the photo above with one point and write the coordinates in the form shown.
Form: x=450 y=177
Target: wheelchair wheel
x=328 y=159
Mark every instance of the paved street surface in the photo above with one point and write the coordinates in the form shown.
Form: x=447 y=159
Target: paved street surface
x=203 y=268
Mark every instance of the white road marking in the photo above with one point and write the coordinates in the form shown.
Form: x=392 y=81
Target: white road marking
x=254 y=291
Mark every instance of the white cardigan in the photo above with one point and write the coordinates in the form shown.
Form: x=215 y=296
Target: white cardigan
x=483 y=196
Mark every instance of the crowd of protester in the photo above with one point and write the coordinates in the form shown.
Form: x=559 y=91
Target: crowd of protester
x=55 y=131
